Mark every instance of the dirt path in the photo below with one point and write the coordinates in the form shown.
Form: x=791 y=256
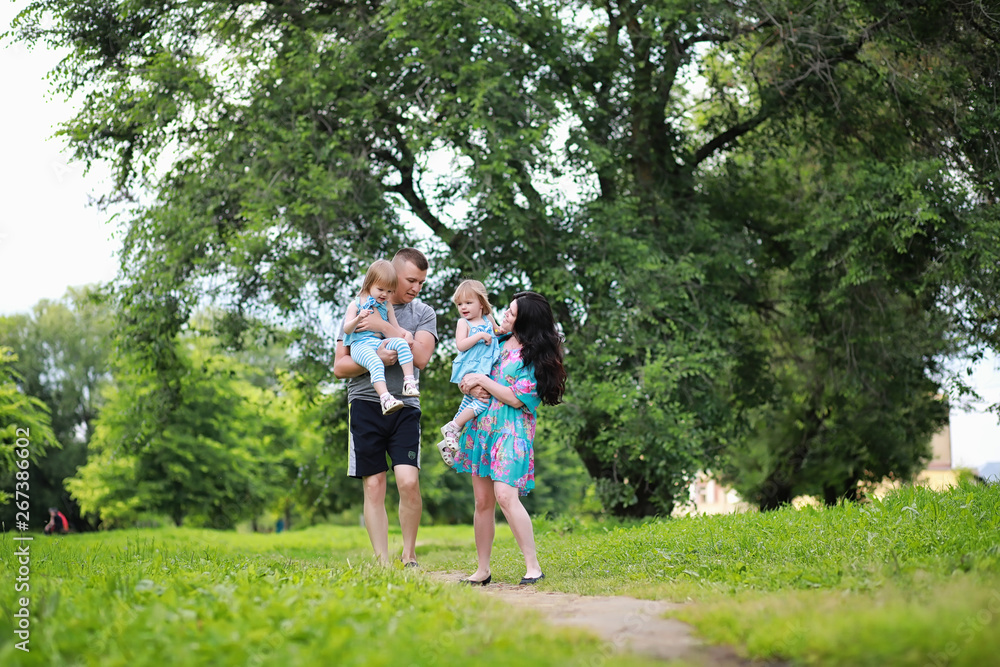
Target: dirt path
x=627 y=624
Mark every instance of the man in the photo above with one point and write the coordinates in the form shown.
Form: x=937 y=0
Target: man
x=57 y=523
x=374 y=435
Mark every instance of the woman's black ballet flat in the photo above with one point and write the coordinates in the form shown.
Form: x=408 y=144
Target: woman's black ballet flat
x=533 y=580
x=485 y=581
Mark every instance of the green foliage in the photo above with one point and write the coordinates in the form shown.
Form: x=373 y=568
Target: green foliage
x=856 y=322
x=63 y=349
x=220 y=456
x=22 y=418
x=591 y=152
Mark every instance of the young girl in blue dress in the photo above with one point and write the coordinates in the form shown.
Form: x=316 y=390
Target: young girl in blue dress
x=475 y=335
x=379 y=284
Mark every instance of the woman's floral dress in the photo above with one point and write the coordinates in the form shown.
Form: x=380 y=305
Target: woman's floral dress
x=498 y=444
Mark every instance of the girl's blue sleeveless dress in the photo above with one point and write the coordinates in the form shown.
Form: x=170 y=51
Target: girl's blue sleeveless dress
x=479 y=358
x=370 y=304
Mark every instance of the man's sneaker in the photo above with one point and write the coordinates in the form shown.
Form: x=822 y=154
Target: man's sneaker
x=410 y=387
x=450 y=432
x=390 y=404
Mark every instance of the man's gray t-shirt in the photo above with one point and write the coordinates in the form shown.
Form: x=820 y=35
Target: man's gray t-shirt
x=414 y=316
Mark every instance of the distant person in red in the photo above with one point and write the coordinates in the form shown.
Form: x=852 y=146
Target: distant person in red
x=57 y=523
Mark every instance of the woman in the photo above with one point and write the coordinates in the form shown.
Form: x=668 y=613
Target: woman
x=497 y=447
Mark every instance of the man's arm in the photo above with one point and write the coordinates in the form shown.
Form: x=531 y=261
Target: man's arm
x=424 y=337
x=400 y=331
x=345 y=368
x=422 y=347
x=373 y=322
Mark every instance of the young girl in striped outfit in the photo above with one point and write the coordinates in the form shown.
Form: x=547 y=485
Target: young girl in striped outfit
x=379 y=284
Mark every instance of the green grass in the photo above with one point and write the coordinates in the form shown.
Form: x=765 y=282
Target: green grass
x=913 y=579
x=188 y=597
x=910 y=580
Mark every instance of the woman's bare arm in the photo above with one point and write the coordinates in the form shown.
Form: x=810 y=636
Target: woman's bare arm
x=504 y=394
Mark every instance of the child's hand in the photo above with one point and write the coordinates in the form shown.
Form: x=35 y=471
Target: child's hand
x=473 y=384
x=362 y=324
x=408 y=337
x=486 y=337
x=470 y=382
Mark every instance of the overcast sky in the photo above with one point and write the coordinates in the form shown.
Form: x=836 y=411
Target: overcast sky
x=50 y=238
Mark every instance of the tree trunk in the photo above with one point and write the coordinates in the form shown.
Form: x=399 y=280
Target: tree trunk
x=774 y=495
x=848 y=490
x=646 y=505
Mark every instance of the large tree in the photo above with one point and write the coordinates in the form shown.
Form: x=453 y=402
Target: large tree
x=63 y=358
x=26 y=434
x=223 y=453
x=573 y=147
x=854 y=329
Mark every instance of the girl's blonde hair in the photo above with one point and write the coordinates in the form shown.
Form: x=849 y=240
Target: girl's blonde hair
x=382 y=273
x=470 y=287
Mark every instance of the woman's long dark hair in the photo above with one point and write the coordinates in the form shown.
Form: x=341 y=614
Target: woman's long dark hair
x=541 y=345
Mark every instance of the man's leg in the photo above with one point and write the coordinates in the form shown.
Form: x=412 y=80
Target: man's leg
x=366 y=460
x=404 y=452
x=410 y=508
x=376 y=519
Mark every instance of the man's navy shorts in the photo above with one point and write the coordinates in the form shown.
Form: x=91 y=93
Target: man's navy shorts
x=374 y=435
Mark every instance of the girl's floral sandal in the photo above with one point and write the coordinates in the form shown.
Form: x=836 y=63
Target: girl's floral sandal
x=446 y=453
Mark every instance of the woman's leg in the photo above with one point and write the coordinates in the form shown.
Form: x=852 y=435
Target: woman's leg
x=484 y=524
x=520 y=525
